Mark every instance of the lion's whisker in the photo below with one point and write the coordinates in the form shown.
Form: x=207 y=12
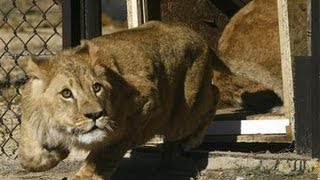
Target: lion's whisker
x=111 y=123
x=109 y=128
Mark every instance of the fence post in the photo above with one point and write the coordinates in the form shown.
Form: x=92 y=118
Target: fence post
x=71 y=33
x=154 y=11
x=81 y=19
x=303 y=104
x=307 y=97
x=91 y=18
x=315 y=51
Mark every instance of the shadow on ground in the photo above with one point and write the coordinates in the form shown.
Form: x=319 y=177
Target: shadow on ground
x=152 y=167
x=145 y=163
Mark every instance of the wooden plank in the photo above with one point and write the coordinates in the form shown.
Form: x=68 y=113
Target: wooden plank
x=256 y=138
x=302 y=100
x=134 y=13
x=230 y=131
x=245 y=127
x=286 y=62
x=240 y=114
x=268 y=130
x=309 y=19
x=249 y=138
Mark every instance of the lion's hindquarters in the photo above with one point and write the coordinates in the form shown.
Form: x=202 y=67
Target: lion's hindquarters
x=202 y=115
x=194 y=115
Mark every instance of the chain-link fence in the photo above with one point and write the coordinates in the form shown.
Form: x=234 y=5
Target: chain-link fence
x=27 y=27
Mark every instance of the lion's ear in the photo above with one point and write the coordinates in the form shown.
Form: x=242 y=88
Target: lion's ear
x=83 y=48
x=36 y=67
x=92 y=49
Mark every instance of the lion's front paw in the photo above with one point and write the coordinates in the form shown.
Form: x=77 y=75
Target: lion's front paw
x=89 y=172
x=41 y=161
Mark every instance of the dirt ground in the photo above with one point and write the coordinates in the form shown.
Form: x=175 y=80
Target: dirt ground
x=132 y=170
x=147 y=165
x=243 y=174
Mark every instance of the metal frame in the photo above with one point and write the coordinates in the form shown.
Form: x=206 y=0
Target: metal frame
x=137 y=12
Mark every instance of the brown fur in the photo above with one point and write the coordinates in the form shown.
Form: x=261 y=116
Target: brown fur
x=250 y=44
x=156 y=79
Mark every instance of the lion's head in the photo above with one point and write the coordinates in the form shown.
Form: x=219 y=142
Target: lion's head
x=66 y=102
x=71 y=94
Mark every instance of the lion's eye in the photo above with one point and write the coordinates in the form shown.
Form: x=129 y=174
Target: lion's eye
x=66 y=93
x=96 y=87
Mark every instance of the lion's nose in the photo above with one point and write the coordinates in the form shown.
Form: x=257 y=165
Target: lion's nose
x=94 y=115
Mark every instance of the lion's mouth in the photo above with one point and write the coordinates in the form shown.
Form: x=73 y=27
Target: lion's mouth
x=95 y=134
x=78 y=132
x=92 y=129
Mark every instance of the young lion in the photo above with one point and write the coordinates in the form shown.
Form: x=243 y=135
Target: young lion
x=116 y=92
x=250 y=45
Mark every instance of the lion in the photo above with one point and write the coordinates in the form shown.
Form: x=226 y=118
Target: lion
x=250 y=47
x=115 y=92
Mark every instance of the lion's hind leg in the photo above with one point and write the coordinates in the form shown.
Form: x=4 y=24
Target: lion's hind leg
x=207 y=103
x=102 y=161
x=172 y=151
